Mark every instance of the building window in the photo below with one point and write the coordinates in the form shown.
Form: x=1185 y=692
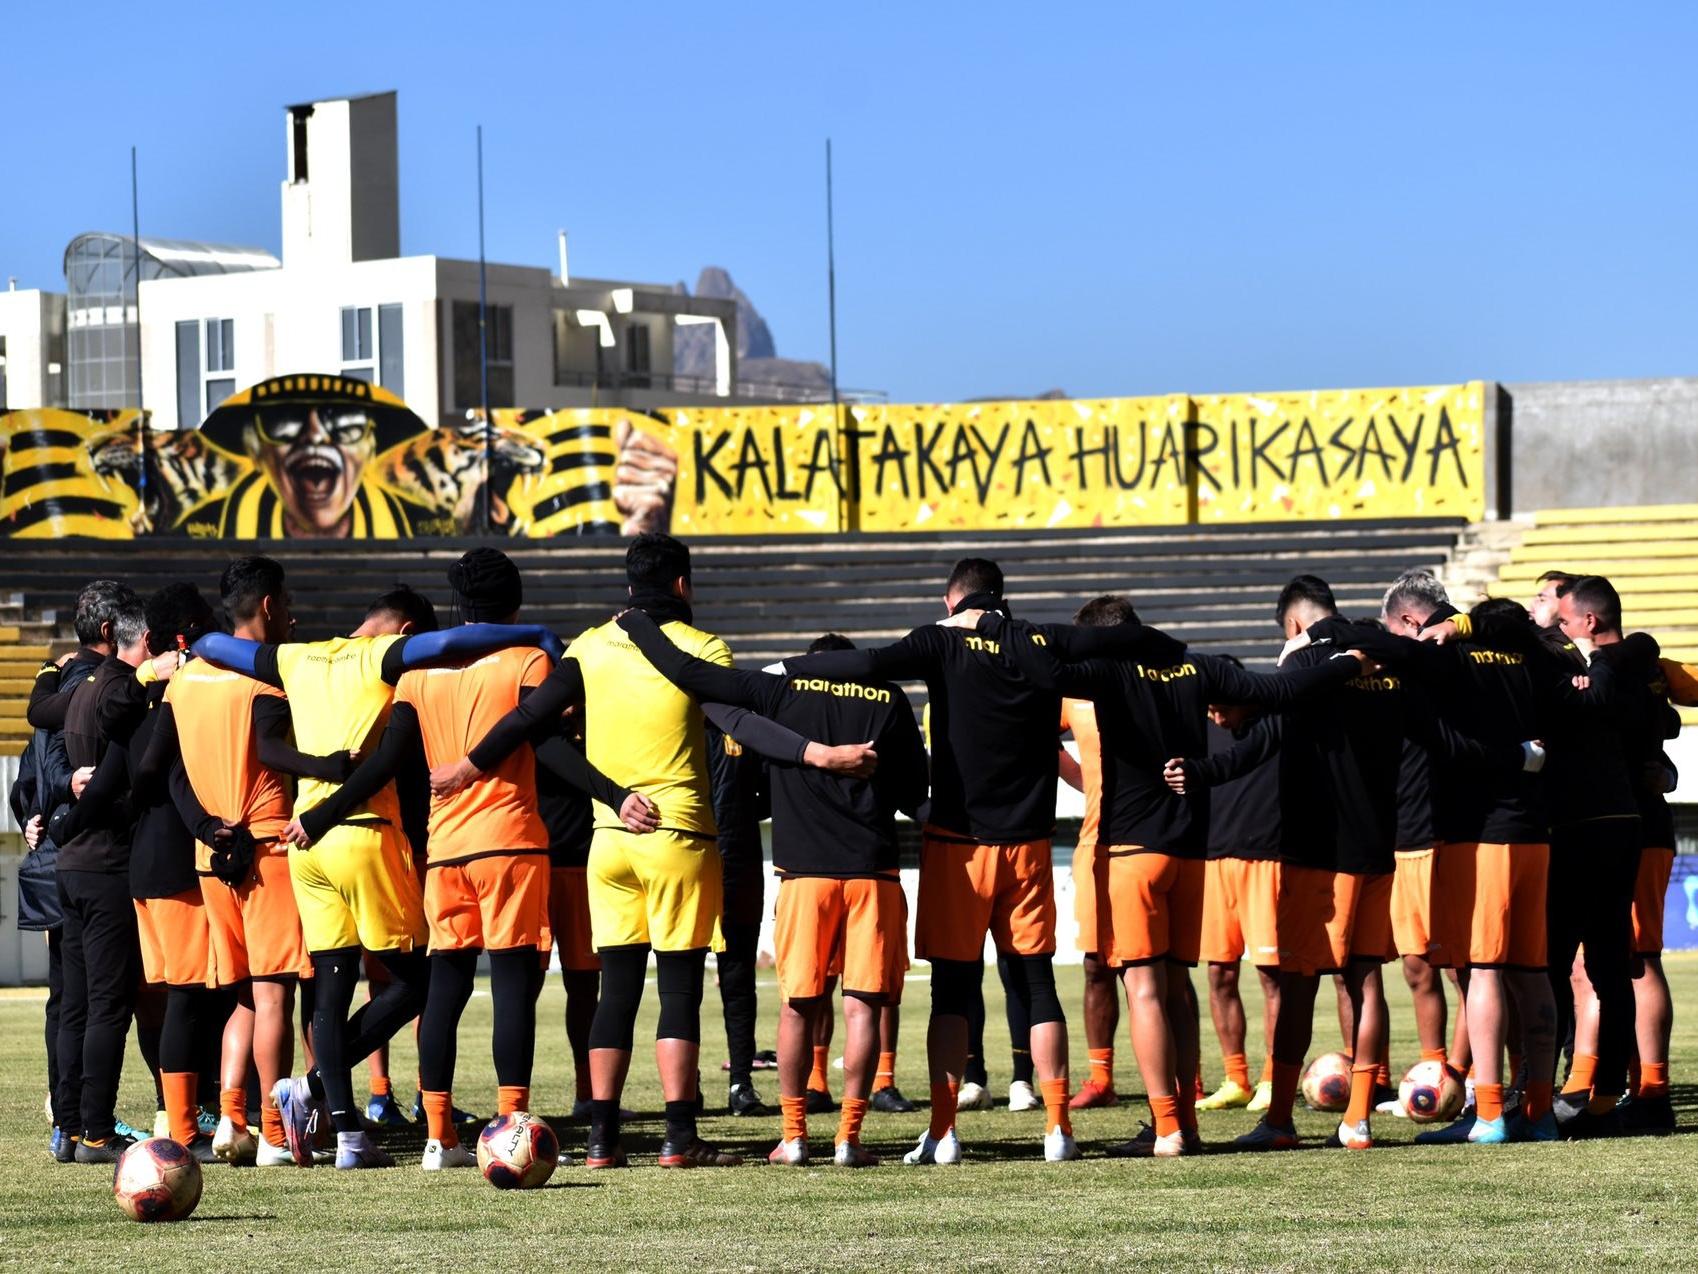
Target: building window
x=637 y=355
x=220 y=361
x=202 y=385
x=498 y=343
x=188 y=375
x=373 y=352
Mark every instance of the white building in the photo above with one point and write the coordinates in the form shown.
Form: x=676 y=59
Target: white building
x=32 y=348
x=216 y=319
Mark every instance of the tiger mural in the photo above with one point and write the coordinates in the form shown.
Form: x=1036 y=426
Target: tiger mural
x=444 y=470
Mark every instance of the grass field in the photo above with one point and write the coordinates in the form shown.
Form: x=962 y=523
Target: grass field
x=1622 y=1204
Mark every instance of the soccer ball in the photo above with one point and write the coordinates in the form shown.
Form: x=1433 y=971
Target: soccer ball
x=1430 y=1093
x=157 y=1180
x=1326 y=1084
x=518 y=1152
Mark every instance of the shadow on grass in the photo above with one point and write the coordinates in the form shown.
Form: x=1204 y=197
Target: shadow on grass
x=197 y=1218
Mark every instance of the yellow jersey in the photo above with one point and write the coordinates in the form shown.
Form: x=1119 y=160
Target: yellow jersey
x=339 y=700
x=642 y=730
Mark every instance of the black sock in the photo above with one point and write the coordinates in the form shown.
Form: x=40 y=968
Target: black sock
x=315 y=1083
x=1022 y=1065
x=604 y=1121
x=681 y=1122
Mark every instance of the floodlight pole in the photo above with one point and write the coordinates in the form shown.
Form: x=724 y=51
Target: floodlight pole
x=483 y=354
x=135 y=290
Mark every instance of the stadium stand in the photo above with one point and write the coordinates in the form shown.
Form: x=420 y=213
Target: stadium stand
x=1212 y=585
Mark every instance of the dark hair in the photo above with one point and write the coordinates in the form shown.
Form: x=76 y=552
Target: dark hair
x=975 y=575
x=1105 y=612
x=831 y=641
x=177 y=610
x=1559 y=577
x=1501 y=607
x=486 y=585
x=247 y=582
x=1305 y=588
x=409 y=604
x=97 y=608
x=1596 y=594
x=654 y=560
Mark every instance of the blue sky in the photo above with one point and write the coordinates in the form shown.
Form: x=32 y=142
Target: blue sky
x=1109 y=199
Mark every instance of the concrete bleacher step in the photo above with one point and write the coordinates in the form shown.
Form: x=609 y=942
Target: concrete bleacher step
x=1615 y=514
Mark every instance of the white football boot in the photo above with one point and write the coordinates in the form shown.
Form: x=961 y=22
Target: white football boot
x=438 y=1156
x=1021 y=1097
x=941 y=1150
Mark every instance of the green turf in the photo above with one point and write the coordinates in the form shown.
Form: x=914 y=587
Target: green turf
x=1590 y=1206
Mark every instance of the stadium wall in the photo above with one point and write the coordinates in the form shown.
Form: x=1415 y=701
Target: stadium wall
x=332 y=457
x=1584 y=444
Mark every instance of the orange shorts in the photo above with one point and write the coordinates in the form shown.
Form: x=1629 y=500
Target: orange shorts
x=569 y=918
x=1649 y=894
x=1507 y=916
x=1240 y=911
x=969 y=890
x=1090 y=891
x=1317 y=916
x=858 y=926
x=1451 y=919
x=1412 y=903
x=256 y=928
x=1155 y=908
x=174 y=944
x=497 y=903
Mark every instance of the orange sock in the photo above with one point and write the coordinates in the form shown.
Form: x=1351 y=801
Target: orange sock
x=1580 y=1075
x=1362 y=1080
x=439 y=1118
x=380 y=1086
x=817 y=1077
x=1382 y=1075
x=1653 y=1079
x=1488 y=1100
x=1237 y=1069
x=795 y=1111
x=1055 y=1104
x=581 y=1078
x=886 y=1075
x=1102 y=1067
x=511 y=1098
x=1186 y=1096
x=1285 y=1079
x=1536 y=1101
x=849 y=1117
x=233 y=1105
x=1602 y=1104
x=1433 y=1055
x=1165 y=1111
x=180 y=1105
x=943 y=1107
x=271 y=1126
x=1267 y=1069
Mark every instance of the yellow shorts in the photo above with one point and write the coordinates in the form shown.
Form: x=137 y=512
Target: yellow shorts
x=357 y=888
x=665 y=889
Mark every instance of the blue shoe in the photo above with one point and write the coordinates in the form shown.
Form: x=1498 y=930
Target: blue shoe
x=1542 y=1129
x=57 y=1142
x=300 y=1116
x=383 y=1112
x=1452 y=1134
x=1488 y=1132
x=124 y=1130
x=206 y=1121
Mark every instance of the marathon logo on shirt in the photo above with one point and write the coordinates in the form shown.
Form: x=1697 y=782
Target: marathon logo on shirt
x=986 y=645
x=1382 y=682
x=842 y=689
x=1174 y=673
x=1495 y=657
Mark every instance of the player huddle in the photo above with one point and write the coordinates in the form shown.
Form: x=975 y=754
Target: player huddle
x=242 y=819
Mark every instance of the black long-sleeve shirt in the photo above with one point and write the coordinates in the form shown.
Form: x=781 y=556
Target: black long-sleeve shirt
x=823 y=824
x=1242 y=774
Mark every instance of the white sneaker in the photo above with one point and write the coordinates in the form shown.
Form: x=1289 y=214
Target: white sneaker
x=790 y=1154
x=1059 y=1146
x=1394 y=1108
x=1171 y=1146
x=438 y=1156
x=941 y=1150
x=1021 y=1097
x=233 y=1144
x=852 y=1154
x=161 y=1124
x=973 y=1097
x=267 y=1155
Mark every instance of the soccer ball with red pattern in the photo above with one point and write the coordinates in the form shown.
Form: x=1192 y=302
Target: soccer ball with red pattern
x=157 y=1180
x=1430 y=1093
x=1326 y=1084
x=518 y=1152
